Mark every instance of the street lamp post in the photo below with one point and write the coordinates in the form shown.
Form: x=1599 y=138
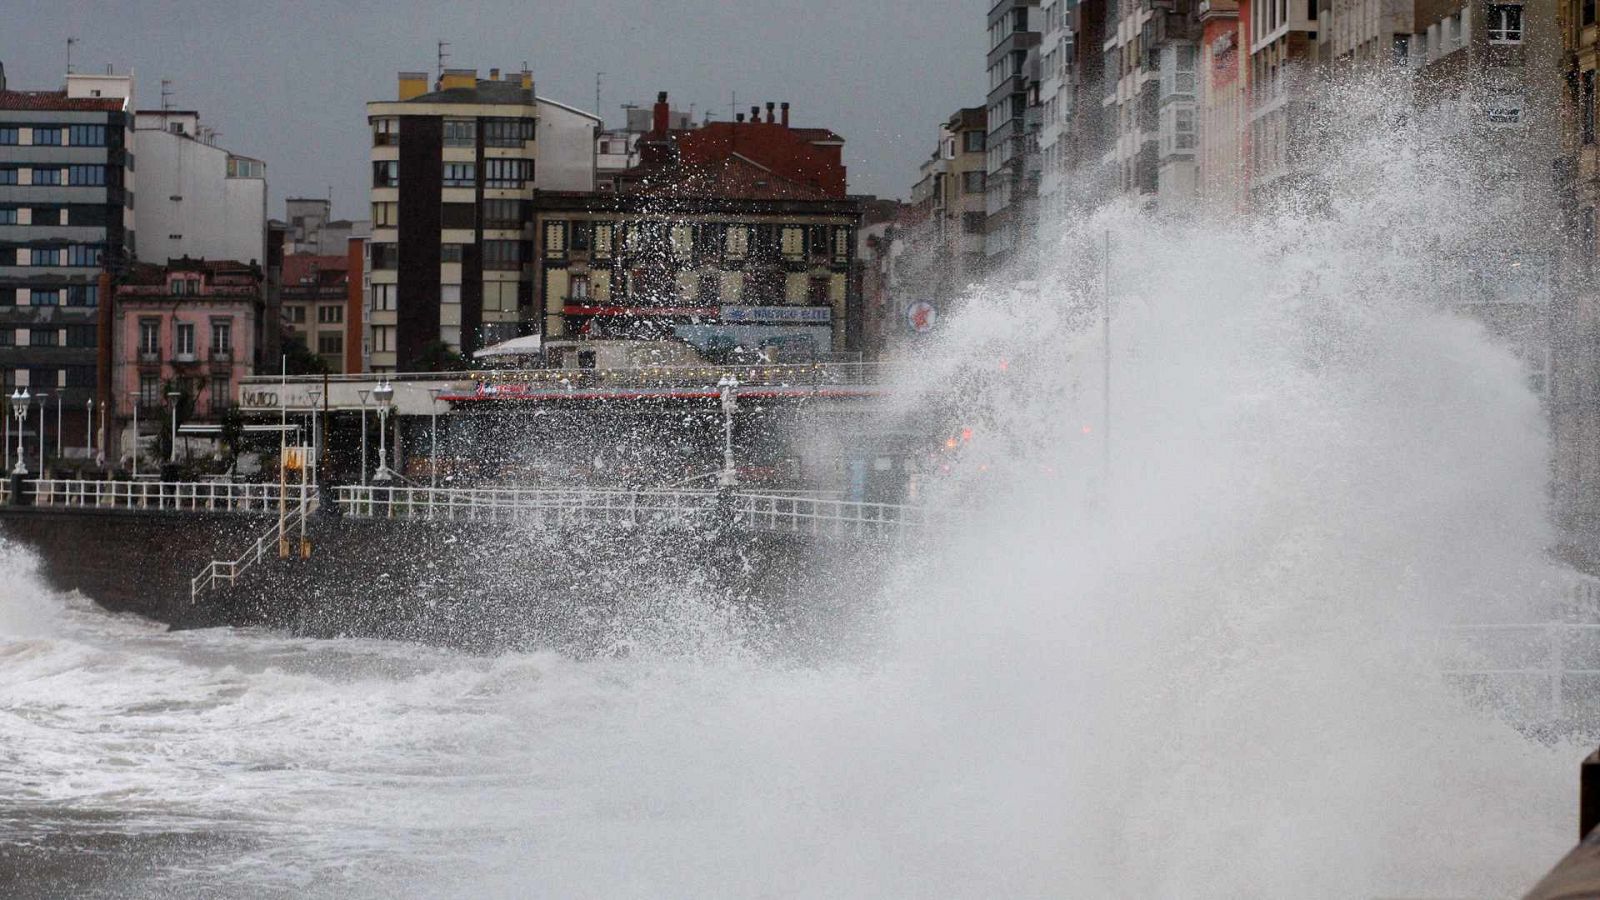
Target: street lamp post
x=41 y=395
x=316 y=438
x=58 y=426
x=19 y=409
x=433 y=413
x=136 y=399
x=383 y=393
x=729 y=476
x=88 y=429
x=363 y=392
x=174 y=397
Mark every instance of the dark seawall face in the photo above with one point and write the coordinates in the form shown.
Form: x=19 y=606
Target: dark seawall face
x=586 y=587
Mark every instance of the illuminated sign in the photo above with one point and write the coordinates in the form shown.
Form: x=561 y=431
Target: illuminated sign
x=804 y=315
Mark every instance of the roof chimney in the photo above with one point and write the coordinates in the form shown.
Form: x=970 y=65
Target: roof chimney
x=755 y=114
x=413 y=84
x=770 y=107
x=494 y=74
x=662 y=119
x=739 y=118
x=785 y=108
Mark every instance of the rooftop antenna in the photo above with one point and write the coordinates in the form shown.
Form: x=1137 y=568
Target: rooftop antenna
x=166 y=94
x=443 y=55
x=598 y=76
x=70 y=42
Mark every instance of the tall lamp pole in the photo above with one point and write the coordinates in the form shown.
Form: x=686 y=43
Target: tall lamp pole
x=42 y=401
x=315 y=394
x=88 y=428
x=174 y=397
x=729 y=476
x=433 y=413
x=58 y=425
x=363 y=392
x=136 y=399
x=19 y=409
x=383 y=393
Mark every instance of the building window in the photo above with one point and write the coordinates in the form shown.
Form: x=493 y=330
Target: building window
x=330 y=315
x=45 y=297
x=47 y=215
x=841 y=243
x=50 y=378
x=221 y=393
x=973 y=142
x=8 y=176
x=330 y=344
x=50 y=176
x=221 y=337
x=382 y=339
x=8 y=337
x=88 y=176
x=82 y=336
x=738 y=241
x=383 y=297
x=149 y=337
x=83 y=295
x=47 y=137
x=460 y=175
x=83 y=255
x=460 y=133
x=1588 y=16
x=1505 y=23
x=9 y=135
x=385 y=132
x=974 y=182
x=42 y=337
x=458 y=215
x=385 y=256
x=87 y=135
x=449 y=253
x=603 y=232
x=8 y=217
x=503 y=214
x=973 y=222
x=295 y=314
x=386 y=173
x=506 y=173
x=183 y=340
x=817 y=291
x=80 y=376
x=385 y=215
x=502 y=255
x=507 y=132
x=149 y=391
x=49 y=256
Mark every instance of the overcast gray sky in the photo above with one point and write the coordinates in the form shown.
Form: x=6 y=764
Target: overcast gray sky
x=287 y=81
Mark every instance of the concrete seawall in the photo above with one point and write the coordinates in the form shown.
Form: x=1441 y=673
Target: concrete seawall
x=462 y=584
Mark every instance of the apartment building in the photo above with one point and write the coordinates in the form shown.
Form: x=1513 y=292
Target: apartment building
x=1056 y=54
x=1224 y=105
x=455 y=168
x=197 y=199
x=193 y=327
x=1013 y=166
x=1151 y=93
x=66 y=214
x=315 y=299
x=731 y=235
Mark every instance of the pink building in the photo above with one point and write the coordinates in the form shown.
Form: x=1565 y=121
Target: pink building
x=191 y=322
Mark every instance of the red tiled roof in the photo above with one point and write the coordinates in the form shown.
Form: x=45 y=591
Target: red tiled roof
x=57 y=100
x=732 y=177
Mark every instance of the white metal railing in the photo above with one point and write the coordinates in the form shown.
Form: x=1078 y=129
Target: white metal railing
x=784 y=513
x=186 y=496
x=1546 y=671
x=229 y=570
x=828 y=516
x=502 y=504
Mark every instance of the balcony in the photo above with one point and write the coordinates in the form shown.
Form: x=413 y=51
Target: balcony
x=149 y=357
x=182 y=358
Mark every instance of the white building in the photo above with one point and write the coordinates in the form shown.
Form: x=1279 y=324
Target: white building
x=196 y=199
x=1055 y=105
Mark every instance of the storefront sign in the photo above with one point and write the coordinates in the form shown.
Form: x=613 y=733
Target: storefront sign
x=810 y=315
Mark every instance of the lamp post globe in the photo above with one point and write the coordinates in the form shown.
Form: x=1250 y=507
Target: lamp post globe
x=384 y=395
x=19 y=410
x=729 y=476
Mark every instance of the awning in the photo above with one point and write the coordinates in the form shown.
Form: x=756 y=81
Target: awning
x=528 y=345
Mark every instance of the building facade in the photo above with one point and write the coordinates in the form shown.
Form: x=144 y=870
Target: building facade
x=1012 y=144
x=192 y=327
x=66 y=214
x=197 y=199
x=732 y=235
x=1151 y=95
x=454 y=173
x=315 y=301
